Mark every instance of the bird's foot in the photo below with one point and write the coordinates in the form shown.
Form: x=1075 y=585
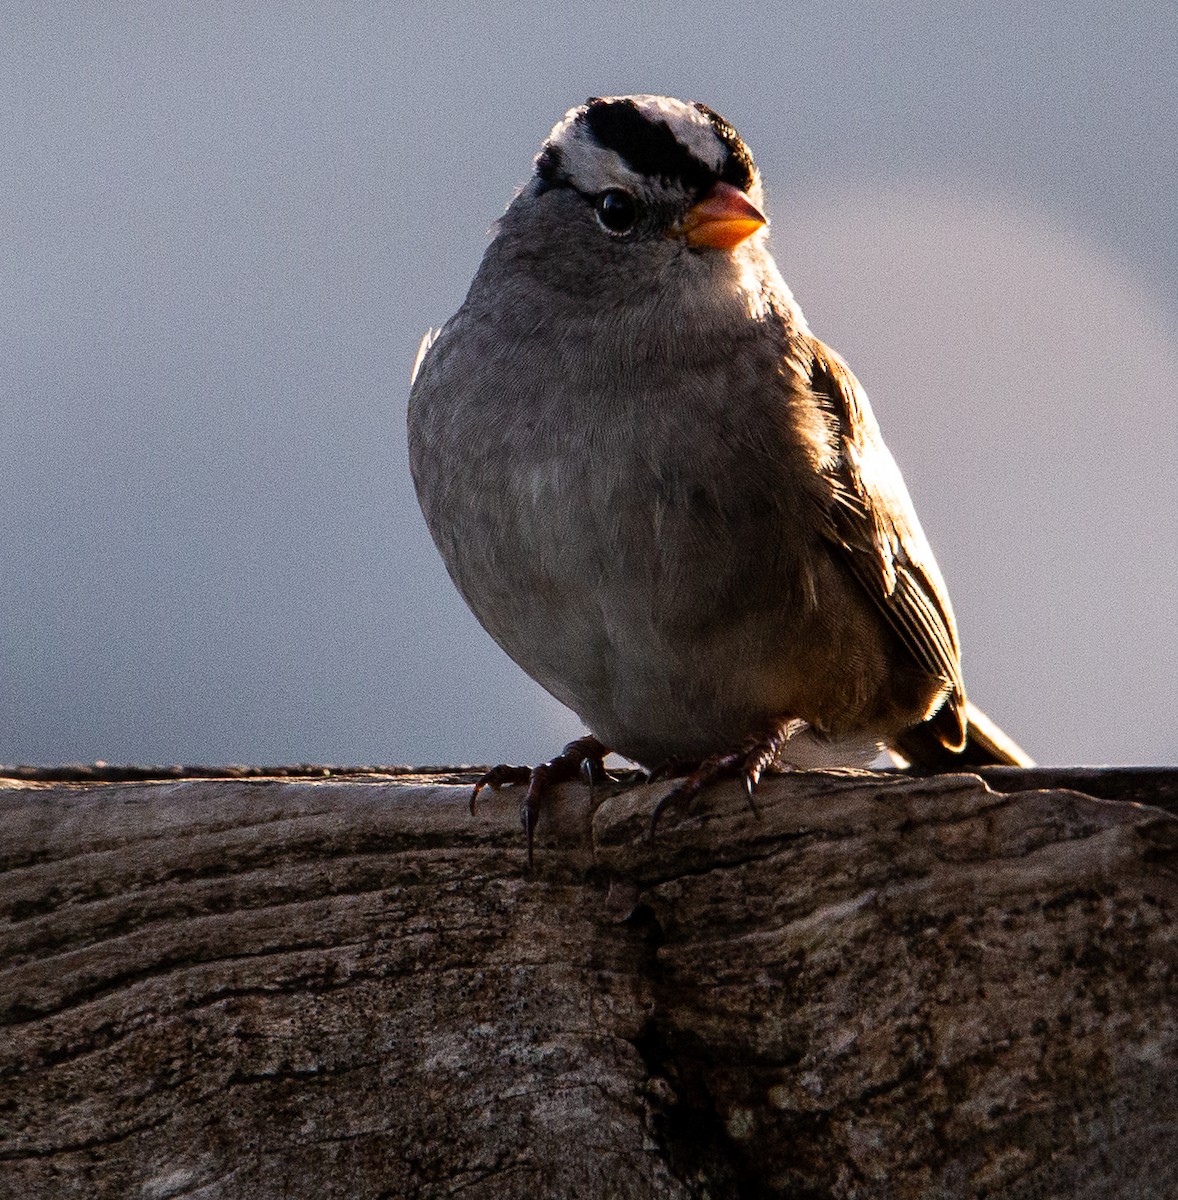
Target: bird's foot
x=748 y=761
x=583 y=757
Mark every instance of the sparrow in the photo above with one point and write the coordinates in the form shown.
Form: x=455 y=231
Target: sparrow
x=661 y=494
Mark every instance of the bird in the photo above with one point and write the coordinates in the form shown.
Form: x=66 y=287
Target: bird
x=662 y=495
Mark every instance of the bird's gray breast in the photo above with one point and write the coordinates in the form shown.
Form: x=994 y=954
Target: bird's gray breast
x=611 y=526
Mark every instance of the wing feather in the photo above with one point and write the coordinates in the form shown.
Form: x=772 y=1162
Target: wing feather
x=871 y=523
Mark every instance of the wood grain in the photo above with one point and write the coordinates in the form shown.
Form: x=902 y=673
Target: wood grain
x=872 y=986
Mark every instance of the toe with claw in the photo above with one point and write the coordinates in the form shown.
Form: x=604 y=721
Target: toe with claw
x=748 y=762
x=582 y=758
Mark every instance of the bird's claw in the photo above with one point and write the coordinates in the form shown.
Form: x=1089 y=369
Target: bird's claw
x=498 y=777
x=748 y=762
x=583 y=757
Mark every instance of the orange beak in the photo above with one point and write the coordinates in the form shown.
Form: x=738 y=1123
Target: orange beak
x=723 y=219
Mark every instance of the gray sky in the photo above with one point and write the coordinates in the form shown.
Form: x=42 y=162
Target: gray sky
x=225 y=229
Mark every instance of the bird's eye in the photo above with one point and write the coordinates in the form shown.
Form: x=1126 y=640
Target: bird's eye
x=616 y=210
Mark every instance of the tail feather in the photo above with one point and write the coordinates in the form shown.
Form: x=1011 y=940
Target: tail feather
x=986 y=745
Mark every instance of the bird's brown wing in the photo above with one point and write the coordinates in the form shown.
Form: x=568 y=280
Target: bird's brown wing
x=869 y=519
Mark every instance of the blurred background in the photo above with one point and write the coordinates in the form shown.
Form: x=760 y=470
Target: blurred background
x=224 y=228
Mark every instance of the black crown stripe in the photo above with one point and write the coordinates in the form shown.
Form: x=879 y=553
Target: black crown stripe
x=738 y=168
x=647 y=146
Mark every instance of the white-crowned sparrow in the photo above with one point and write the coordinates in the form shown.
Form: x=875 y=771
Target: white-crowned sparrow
x=660 y=493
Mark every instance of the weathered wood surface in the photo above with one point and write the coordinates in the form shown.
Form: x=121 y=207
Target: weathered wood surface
x=873 y=987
